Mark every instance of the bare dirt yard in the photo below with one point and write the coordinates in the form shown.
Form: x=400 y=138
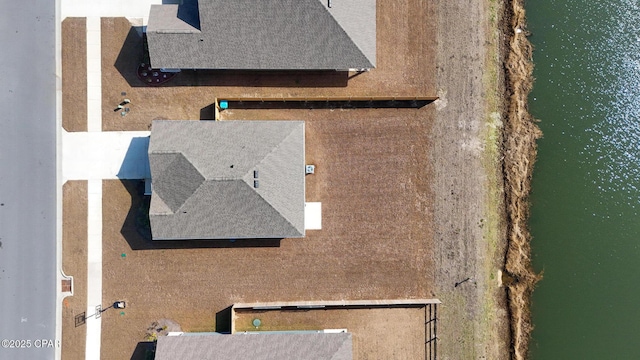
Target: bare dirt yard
x=389 y=333
x=376 y=241
x=74 y=74
x=74 y=263
x=412 y=198
x=469 y=216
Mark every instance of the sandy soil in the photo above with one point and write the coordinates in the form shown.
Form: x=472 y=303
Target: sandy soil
x=74 y=263
x=74 y=74
x=469 y=223
x=393 y=333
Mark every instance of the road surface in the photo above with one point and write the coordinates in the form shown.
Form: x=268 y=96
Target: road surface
x=27 y=180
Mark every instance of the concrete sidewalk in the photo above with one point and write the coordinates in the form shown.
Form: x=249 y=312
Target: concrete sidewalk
x=94 y=270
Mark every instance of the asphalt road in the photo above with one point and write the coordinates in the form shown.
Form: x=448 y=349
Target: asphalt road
x=27 y=180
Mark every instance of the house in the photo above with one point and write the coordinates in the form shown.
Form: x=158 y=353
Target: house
x=227 y=179
x=256 y=346
x=263 y=35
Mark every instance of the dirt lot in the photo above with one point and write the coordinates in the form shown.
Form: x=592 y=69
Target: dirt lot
x=412 y=198
x=392 y=333
x=74 y=74
x=469 y=225
x=375 y=242
x=74 y=263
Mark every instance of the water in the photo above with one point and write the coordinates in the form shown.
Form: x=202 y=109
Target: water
x=586 y=185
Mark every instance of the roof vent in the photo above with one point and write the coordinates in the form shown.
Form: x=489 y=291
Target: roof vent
x=309 y=169
x=255 y=184
x=255 y=174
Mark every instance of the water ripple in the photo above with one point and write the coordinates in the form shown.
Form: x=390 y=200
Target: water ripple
x=614 y=63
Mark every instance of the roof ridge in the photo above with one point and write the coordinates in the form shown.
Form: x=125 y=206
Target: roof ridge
x=290 y=134
x=344 y=31
x=268 y=203
x=194 y=191
x=345 y=341
x=204 y=179
x=158 y=199
x=273 y=149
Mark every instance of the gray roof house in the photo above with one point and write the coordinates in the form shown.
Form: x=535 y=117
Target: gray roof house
x=227 y=179
x=256 y=346
x=263 y=35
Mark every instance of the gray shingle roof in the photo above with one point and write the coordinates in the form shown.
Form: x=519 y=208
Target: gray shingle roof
x=175 y=19
x=205 y=174
x=266 y=35
x=263 y=346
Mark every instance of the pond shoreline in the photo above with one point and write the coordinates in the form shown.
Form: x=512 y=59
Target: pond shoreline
x=519 y=150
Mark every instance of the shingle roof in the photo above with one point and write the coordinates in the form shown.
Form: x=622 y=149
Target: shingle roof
x=265 y=35
x=263 y=346
x=227 y=179
x=176 y=19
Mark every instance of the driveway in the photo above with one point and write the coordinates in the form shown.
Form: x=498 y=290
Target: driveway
x=105 y=155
